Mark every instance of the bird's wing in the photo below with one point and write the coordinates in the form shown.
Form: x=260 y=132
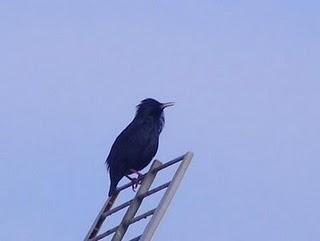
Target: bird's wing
x=127 y=145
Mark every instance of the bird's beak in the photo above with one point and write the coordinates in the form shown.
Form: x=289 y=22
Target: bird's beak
x=165 y=105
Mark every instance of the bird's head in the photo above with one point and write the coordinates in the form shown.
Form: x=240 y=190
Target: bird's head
x=152 y=108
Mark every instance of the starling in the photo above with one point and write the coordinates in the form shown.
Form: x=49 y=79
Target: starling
x=137 y=144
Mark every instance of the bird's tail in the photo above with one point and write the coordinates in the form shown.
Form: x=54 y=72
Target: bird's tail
x=114 y=180
x=112 y=189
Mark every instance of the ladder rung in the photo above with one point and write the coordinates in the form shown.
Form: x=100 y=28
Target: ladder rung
x=126 y=204
x=178 y=159
x=112 y=230
x=136 y=238
x=165 y=165
x=105 y=234
x=142 y=216
x=154 y=190
x=116 y=209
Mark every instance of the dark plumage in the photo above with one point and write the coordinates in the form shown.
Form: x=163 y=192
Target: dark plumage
x=138 y=143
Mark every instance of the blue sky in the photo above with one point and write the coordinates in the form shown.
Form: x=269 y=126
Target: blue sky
x=245 y=79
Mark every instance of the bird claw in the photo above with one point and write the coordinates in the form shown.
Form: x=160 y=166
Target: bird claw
x=135 y=183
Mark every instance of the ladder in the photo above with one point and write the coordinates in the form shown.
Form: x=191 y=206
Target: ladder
x=133 y=205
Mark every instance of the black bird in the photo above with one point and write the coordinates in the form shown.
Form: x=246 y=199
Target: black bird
x=137 y=144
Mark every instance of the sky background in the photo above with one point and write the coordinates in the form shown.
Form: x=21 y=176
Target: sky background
x=245 y=79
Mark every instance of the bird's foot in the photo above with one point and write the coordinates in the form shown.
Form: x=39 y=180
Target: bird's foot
x=134 y=184
x=135 y=181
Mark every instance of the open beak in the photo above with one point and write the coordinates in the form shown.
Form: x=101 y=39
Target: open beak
x=165 y=105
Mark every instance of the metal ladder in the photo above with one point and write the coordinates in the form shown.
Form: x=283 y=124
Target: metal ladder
x=134 y=204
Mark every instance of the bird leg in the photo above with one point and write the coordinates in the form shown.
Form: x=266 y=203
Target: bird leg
x=135 y=181
x=136 y=172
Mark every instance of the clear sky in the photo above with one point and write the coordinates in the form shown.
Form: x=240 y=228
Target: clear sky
x=245 y=79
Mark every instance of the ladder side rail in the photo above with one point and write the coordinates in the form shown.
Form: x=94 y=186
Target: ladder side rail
x=94 y=229
x=137 y=200
x=166 y=199
x=133 y=208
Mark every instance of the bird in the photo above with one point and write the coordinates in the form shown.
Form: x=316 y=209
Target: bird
x=137 y=144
